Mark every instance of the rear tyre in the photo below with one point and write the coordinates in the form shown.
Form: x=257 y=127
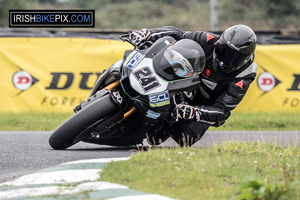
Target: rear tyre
x=67 y=133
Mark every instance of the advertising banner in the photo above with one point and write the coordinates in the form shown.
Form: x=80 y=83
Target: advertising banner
x=52 y=74
x=277 y=84
x=57 y=74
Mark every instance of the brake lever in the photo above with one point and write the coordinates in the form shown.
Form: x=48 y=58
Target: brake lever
x=177 y=112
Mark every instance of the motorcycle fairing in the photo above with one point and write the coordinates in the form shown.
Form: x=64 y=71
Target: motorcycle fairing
x=143 y=78
x=159 y=99
x=108 y=76
x=133 y=59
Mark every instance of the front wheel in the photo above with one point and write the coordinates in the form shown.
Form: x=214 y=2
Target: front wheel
x=67 y=133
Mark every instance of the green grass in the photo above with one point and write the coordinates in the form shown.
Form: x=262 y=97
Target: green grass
x=281 y=121
x=229 y=171
x=237 y=121
x=31 y=121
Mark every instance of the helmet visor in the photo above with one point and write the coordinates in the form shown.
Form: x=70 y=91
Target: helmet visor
x=227 y=59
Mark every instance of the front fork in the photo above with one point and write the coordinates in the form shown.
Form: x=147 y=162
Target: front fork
x=119 y=99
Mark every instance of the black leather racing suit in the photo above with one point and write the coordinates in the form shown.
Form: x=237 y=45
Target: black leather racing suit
x=219 y=93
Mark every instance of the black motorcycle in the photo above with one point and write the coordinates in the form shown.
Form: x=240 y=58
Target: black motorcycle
x=136 y=96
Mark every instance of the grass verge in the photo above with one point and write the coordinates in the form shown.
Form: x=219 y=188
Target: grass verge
x=31 y=121
x=278 y=121
x=237 y=122
x=229 y=171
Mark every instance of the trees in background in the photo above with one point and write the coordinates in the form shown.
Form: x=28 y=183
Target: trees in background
x=185 y=14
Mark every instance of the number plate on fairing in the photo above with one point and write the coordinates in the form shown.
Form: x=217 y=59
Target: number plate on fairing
x=144 y=79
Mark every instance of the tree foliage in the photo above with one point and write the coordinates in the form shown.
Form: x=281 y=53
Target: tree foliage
x=188 y=15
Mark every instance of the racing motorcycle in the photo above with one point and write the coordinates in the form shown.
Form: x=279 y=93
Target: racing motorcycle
x=136 y=96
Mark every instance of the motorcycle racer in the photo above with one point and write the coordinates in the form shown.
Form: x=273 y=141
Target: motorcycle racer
x=228 y=73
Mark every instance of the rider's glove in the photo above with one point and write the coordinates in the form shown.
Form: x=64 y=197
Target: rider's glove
x=184 y=111
x=140 y=38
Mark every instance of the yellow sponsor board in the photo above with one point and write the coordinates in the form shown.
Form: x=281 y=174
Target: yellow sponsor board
x=52 y=74
x=56 y=74
x=277 y=84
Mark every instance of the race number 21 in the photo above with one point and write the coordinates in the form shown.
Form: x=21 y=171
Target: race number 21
x=146 y=79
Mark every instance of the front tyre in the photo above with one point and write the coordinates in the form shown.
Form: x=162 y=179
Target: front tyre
x=67 y=133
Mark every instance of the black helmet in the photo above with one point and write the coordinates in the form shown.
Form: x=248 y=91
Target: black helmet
x=186 y=57
x=235 y=48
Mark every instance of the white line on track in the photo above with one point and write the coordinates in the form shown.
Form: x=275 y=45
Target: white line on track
x=62 y=190
x=142 y=197
x=32 y=185
x=65 y=176
x=100 y=160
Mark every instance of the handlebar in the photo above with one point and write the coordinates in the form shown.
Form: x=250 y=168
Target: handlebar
x=125 y=38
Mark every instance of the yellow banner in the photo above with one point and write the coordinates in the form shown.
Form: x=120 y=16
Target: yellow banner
x=277 y=84
x=56 y=74
x=52 y=74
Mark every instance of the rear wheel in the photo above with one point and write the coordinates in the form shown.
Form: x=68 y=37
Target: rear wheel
x=73 y=130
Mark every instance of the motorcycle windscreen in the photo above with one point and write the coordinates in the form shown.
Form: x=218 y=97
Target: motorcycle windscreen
x=180 y=64
x=183 y=59
x=164 y=69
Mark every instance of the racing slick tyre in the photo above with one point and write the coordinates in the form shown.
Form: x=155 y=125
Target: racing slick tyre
x=67 y=134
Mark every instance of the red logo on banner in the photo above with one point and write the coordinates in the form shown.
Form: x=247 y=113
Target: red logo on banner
x=22 y=80
x=266 y=81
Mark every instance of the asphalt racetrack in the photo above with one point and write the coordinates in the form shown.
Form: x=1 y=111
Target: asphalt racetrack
x=22 y=153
